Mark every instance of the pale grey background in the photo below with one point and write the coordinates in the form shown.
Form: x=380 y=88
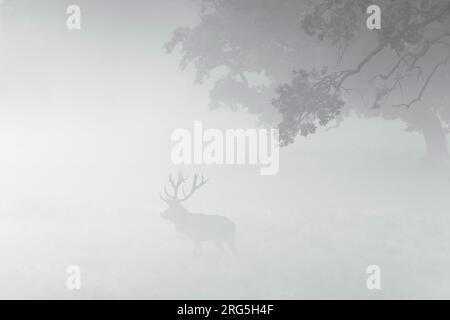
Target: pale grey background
x=85 y=124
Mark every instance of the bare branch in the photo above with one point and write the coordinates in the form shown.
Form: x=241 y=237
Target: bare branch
x=425 y=85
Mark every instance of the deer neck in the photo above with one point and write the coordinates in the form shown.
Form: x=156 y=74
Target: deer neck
x=183 y=217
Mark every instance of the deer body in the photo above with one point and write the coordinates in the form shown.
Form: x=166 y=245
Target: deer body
x=196 y=226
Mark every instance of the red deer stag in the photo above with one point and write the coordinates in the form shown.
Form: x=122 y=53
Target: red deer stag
x=198 y=227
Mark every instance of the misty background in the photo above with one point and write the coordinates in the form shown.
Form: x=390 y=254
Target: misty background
x=85 y=124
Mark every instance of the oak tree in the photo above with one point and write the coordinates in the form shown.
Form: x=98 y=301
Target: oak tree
x=306 y=64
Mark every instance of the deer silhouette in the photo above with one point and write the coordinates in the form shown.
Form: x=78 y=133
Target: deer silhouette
x=198 y=227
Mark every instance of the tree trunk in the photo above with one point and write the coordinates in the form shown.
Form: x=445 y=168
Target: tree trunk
x=435 y=139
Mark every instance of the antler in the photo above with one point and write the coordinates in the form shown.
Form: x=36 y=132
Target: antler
x=176 y=186
x=195 y=187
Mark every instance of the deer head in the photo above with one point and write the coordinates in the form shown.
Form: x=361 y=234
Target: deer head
x=174 y=199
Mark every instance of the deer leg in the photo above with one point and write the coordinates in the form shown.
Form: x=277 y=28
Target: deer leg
x=198 y=249
x=221 y=249
x=231 y=244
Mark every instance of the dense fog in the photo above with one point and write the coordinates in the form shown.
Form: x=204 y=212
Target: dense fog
x=86 y=119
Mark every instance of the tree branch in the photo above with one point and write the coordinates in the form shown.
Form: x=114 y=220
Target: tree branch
x=425 y=85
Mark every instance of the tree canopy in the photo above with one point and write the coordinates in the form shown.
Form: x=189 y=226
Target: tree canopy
x=319 y=61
